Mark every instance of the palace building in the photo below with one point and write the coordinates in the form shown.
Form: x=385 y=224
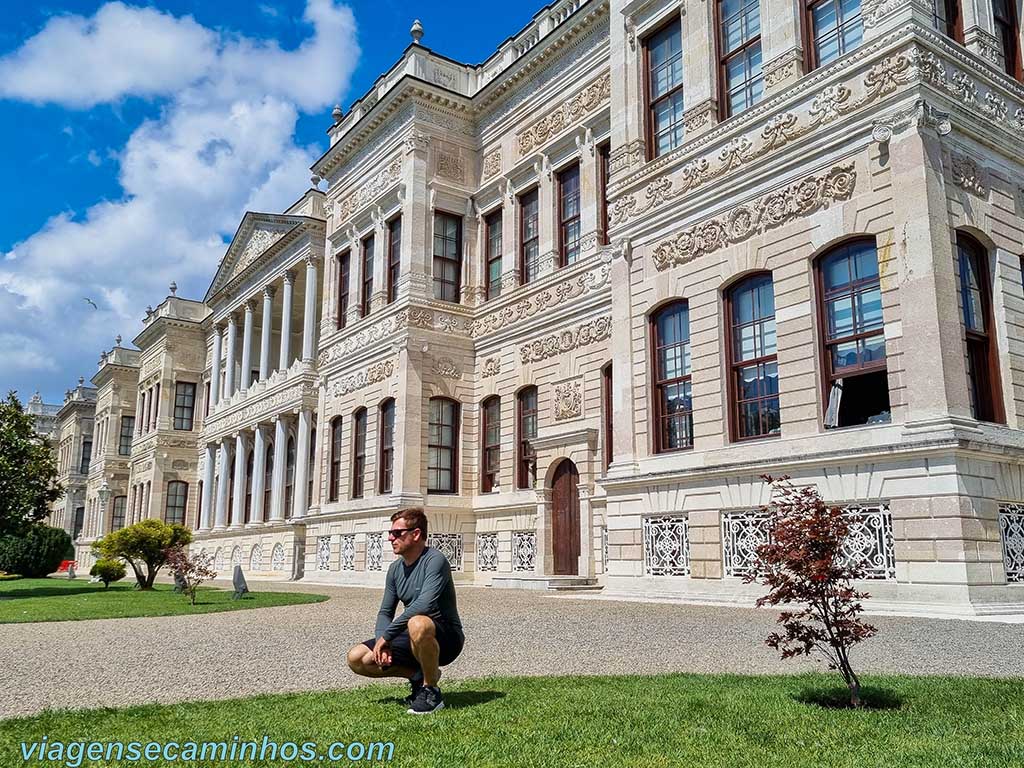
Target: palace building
x=577 y=299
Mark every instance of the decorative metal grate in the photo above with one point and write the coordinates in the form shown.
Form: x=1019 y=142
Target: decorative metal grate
x=277 y=558
x=256 y=558
x=1011 y=531
x=348 y=552
x=666 y=546
x=524 y=550
x=375 y=552
x=604 y=549
x=449 y=545
x=742 y=534
x=323 y=553
x=870 y=542
x=236 y=557
x=218 y=560
x=487 y=552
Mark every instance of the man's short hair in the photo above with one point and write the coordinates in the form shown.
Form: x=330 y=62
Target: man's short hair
x=414 y=518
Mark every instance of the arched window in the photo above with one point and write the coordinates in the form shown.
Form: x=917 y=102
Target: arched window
x=850 y=301
x=979 y=333
x=334 y=480
x=358 y=452
x=177 y=501
x=441 y=445
x=526 y=433
x=385 y=470
x=248 y=486
x=268 y=480
x=289 y=478
x=673 y=406
x=490 y=432
x=754 y=371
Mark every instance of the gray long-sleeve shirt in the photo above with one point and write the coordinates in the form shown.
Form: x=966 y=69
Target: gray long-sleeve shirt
x=425 y=588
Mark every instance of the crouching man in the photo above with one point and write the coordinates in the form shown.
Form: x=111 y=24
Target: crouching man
x=428 y=634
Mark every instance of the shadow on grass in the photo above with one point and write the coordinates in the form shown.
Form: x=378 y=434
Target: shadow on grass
x=21 y=594
x=457 y=699
x=839 y=698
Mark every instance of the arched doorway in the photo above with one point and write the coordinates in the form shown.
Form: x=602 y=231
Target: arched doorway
x=565 y=519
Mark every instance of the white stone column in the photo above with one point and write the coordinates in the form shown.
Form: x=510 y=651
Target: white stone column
x=223 y=462
x=302 y=463
x=250 y=308
x=229 y=372
x=209 y=457
x=586 y=568
x=215 y=367
x=259 y=469
x=238 y=508
x=138 y=413
x=280 y=456
x=309 y=311
x=286 y=321
x=265 y=331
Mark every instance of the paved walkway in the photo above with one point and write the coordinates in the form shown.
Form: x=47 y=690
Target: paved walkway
x=117 y=662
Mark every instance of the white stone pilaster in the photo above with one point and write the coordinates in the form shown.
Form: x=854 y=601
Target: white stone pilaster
x=286 y=321
x=238 y=507
x=301 y=502
x=280 y=457
x=309 y=311
x=265 y=331
x=224 y=467
x=259 y=469
x=209 y=457
x=215 y=367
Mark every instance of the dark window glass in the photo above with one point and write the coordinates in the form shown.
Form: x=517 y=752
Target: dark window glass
x=79 y=522
x=947 y=19
x=289 y=478
x=268 y=480
x=604 y=154
x=394 y=257
x=836 y=29
x=86 y=457
x=118 y=513
x=569 y=215
x=177 y=500
x=343 y=277
x=664 y=54
x=494 y=253
x=184 y=405
x=367 y=294
x=526 y=460
x=334 y=483
x=441 y=450
x=387 y=446
x=673 y=406
x=124 y=446
x=1004 y=13
x=739 y=41
x=358 y=452
x=248 y=486
x=447 y=257
x=491 y=434
x=529 y=237
x=606 y=412
x=979 y=335
x=755 y=370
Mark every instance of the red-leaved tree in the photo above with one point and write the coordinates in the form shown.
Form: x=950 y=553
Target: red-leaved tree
x=803 y=564
x=192 y=571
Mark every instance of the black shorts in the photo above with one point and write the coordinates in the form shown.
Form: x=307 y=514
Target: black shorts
x=449 y=642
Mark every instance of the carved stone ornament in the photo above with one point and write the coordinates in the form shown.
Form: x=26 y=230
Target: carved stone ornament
x=447 y=368
x=874 y=11
x=373 y=374
x=569 y=113
x=492 y=164
x=967 y=174
x=627 y=157
x=566 y=341
x=568 y=402
x=769 y=212
x=451 y=166
x=259 y=242
x=370 y=191
x=783 y=69
x=491 y=367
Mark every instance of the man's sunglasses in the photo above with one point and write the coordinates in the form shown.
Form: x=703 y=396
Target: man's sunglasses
x=397 y=533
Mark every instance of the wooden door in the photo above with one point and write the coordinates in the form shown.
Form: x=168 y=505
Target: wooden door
x=565 y=519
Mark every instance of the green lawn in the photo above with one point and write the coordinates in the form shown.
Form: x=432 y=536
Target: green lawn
x=55 y=599
x=678 y=720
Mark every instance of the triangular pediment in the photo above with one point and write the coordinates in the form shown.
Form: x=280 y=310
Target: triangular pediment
x=257 y=234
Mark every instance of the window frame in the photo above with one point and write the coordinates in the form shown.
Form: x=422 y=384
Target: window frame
x=534 y=193
x=1008 y=30
x=290 y=461
x=394 y=264
x=735 y=366
x=564 y=222
x=436 y=280
x=250 y=462
x=493 y=290
x=811 y=58
x=657 y=384
x=85 y=460
x=366 y=284
x=189 y=408
x=176 y=484
x=983 y=342
x=490 y=475
x=453 y=466
x=607 y=417
x=952 y=28
x=723 y=56
x=344 y=278
x=268 y=480
x=337 y=442
x=386 y=447
x=359 y=426
x=114 y=513
x=649 y=103
x=604 y=167
x=122 y=436
x=525 y=453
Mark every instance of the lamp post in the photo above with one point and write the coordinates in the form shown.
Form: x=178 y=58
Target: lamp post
x=104 y=494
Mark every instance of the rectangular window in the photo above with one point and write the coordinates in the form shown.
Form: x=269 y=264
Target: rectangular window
x=334 y=482
x=979 y=337
x=177 y=498
x=117 y=515
x=86 y=457
x=754 y=388
x=447 y=257
x=367 y=291
x=526 y=469
x=343 y=278
x=948 y=20
x=394 y=257
x=836 y=28
x=206 y=399
x=493 y=226
x=124 y=446
x=387 y=446
x=491 y=434
x=441 y=451
x=739 y=46
x=569 y=215
x=604 y=154
x=1004 y=13
x=606 y=412
x=673 y=399
x=184 y=405
x=358 y=453
x=529 y=237
x=663 y=54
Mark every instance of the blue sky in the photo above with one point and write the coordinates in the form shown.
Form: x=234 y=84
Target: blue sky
x=136 y=134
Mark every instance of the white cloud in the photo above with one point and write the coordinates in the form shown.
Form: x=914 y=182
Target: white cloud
x=223 y=142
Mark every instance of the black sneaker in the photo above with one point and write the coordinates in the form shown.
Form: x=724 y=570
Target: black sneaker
x=428 y=700
x=416 y=683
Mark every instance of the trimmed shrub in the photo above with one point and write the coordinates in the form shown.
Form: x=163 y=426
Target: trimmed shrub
x=107 y=570
x=36 y=554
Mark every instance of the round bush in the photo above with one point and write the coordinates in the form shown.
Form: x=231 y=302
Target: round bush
x=107 y=570
x=36 y=554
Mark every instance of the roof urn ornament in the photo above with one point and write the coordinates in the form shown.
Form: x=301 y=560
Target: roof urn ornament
x=117 y=340
x=416 y=31
x=173 y=288
x=337 y=114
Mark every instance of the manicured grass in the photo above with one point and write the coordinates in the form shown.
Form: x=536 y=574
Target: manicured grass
x=676 y=720
x=58 y=599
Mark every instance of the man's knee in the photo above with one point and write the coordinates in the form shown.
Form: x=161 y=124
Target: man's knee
x=357 y=657
x=421 y=628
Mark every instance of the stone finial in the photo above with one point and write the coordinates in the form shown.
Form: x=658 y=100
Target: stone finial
x=117 y=340
x=337 y=114
x=315 y=180
x=173 y=288
x=81 y=380
x=416 y=31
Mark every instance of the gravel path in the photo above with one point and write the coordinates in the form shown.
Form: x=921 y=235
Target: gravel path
x=117 y=662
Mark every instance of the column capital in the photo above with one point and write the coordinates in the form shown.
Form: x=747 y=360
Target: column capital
x=269 y=291
x=311 y=260
x=288 y=276
x=249 y=306
x=231 y=319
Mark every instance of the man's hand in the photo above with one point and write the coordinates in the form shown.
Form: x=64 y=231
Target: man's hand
x=382 y=653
